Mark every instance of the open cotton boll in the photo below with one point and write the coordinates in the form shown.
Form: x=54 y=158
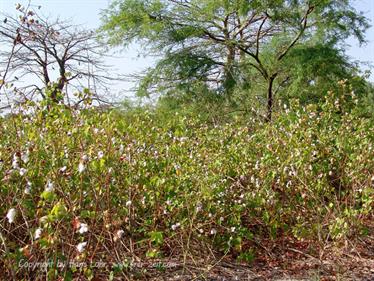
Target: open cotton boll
x=83 y=228
x=81 y=246
x=49 y=186
x=22 y=171
x=81 y=167
x=28 y=188
x=11 y=215
x=25 y=157
x=118 y=235
x=15 y=163
x=38 y=233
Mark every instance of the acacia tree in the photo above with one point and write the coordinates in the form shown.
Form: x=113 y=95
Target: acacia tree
x=214 y=41
x=50 y=53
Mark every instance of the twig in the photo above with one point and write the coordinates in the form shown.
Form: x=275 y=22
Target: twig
x=305 y=254
x=6 y=253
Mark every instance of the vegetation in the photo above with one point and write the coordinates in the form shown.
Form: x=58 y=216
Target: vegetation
x=255 y=142
x=86 y=186
x=255 y=46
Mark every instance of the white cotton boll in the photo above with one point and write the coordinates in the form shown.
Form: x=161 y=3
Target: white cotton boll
x=199 y=207
x=38 y=233
x=128 y=203
x=121 y=148
x=11 y=215
x=15 y=164
x=66 y=152
x=257 y=165
x=22 y=171
x=253 y=179
x=83 y=228
x=100 y=154
x=25 y=157
x=213 y=231
x=28 y=188
x=85 y=158
x=81 y=246
x=81 y=167
x=175 y=226
x=63 y=169
x=119 y=234
x=49 y=186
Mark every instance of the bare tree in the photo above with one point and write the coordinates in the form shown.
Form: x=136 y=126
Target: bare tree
x=51 y=53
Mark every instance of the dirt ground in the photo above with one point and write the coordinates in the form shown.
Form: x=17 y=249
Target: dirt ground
x=289 y=261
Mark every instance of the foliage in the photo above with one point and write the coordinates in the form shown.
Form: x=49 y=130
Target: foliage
x=83 y=186
x=229 y=44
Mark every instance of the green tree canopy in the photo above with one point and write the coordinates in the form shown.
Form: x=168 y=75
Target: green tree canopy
x=226 y=43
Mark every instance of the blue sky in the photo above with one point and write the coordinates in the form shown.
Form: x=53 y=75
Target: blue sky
x=87 y=12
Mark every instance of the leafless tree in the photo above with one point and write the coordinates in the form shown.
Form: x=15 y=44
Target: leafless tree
x=39 y=52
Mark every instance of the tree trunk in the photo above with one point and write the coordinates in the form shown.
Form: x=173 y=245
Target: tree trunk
x=229 y=81
x=270 y=99
x=60 y=84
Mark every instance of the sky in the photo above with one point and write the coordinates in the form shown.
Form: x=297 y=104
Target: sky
x=87 y=13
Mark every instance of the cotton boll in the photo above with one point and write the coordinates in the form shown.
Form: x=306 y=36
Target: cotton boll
x=25 y=157
x=81 y=167
x=83 y=228
x=11 y=215
x=38 y=233
x=81 y=246
x=49 y=186
x=118 y=235
x=15 y=164
x=22 y=171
